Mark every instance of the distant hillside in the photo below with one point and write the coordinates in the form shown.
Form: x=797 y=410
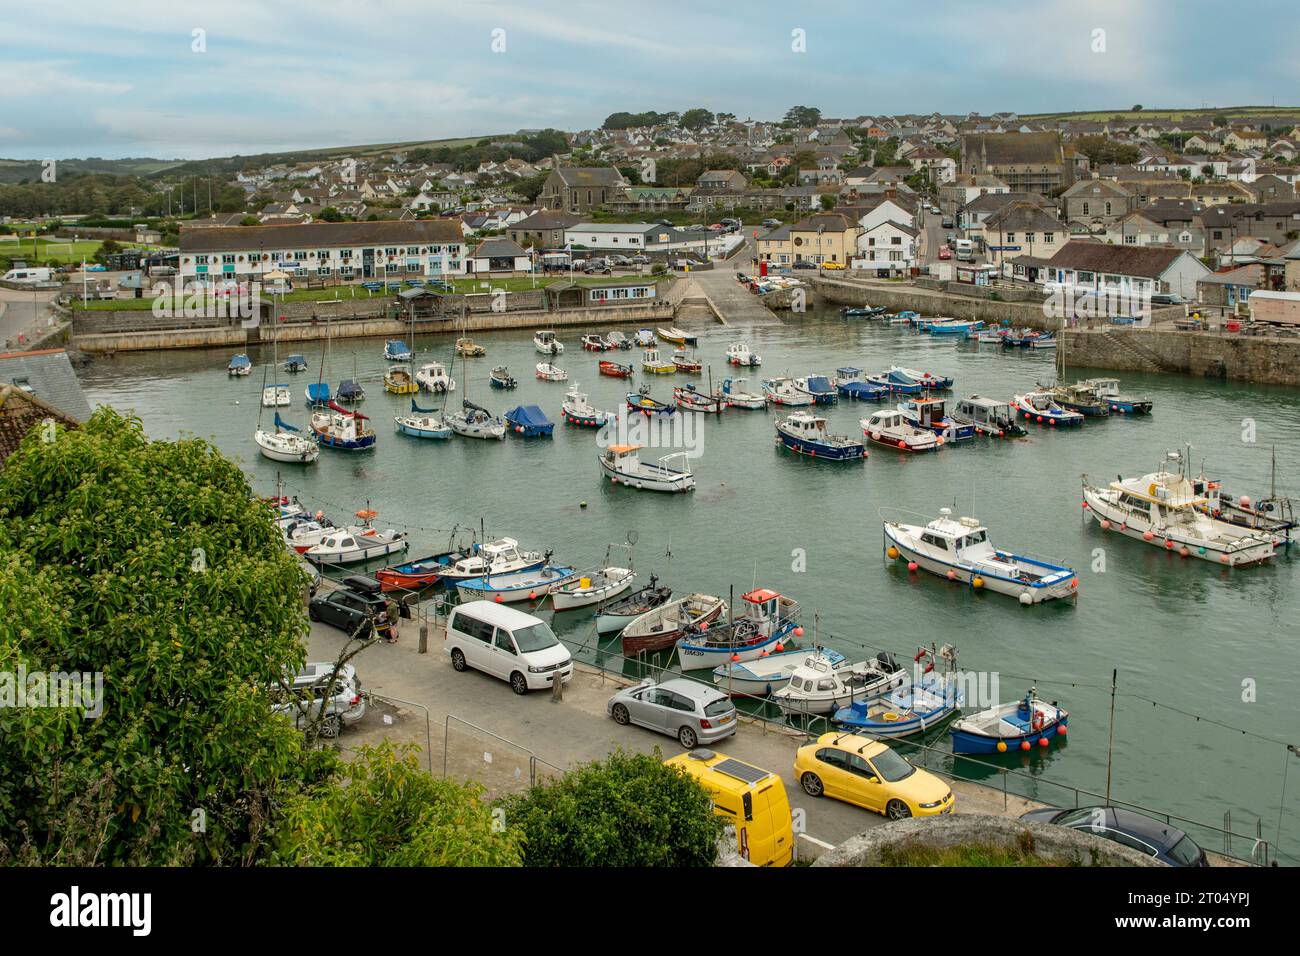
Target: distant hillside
x=1254 y=113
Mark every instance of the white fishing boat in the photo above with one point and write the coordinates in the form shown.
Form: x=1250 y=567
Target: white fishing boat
x=551 y=373
x=433 y=377
x=1163 y=509
x=530 y=585
x=492 y=558
x=644 y=338
x=545 y=342
x=357 y=543
x=960 y=550
x=890 y=429
x=817 y=686
x=765 y=675
x=286 y=444
x=592 y=588
x=739 y=353
x=782 y=391
x=736 y=397
x=303 y=533
x=616 y=615
x=474 y=421
x=577 y=410
x=276 y=396
x=623 y=466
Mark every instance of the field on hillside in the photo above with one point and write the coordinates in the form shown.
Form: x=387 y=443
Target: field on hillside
x=1259 y=113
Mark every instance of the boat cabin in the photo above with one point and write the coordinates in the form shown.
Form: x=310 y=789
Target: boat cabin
x=848 y=374
x=965 y=536
x=623 y=454
x=985 y=411
x=809 y=427
x=502 y=551
x=544 y=337
x=890 y=418
x=1041 y=401
x=766 y=608
x=929 y=412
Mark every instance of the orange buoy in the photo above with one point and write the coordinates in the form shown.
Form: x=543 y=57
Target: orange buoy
x=1105 y=523
x=798 y=631
x=1147 y=536
x=911 y=565
x=1042 y=741
x=1061 y=729
x=1024 y=745
x=1002 y=746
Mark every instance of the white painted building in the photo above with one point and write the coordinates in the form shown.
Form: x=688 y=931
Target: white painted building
x=886 y=247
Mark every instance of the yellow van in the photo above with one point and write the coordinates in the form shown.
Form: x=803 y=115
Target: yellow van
x=751 y=799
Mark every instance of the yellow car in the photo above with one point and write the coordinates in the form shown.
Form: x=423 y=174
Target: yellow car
x=867 y=773
x=832 y=265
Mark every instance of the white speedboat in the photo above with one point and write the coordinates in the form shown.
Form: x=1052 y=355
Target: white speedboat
x=765 y=675
x=739 y=353
x=733 y=396
x=499 y=556
x=276 y=396
x=1164 y=509
x=959 y=550
x=622 y=465
x=592 y=588
x=357 y=542
x=433 y=377
x=818 y=686
x=891 y=429
x=546 y=342
x=473 y=421
x=644 y=338
x=303 y=533
x=782 y=391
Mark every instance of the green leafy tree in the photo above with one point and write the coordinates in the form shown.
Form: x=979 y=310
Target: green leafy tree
x=330 y=214
x=627 y=810
x=802 y=116
x=697 y=118
x=386 y=810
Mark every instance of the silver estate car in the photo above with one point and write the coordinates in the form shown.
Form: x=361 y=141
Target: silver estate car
x=306 y=698
x=692 y=712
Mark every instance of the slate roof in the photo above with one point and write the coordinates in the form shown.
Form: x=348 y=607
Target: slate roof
x=498 y=247
x=1148 y=262
x=583 y=176
x=49 y=375
x=320 y=235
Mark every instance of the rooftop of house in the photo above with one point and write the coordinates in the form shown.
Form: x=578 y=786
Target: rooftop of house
x=48 y=375
x=319 y=235
x=1149 y=262
x=579 y=177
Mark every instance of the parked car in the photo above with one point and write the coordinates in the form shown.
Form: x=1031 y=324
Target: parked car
x=1155 y=838
x=869 y=774
x=358 y=607
x=805 y=264
x=771 y=223
x=662 y=222
x=832 y=265
x=1167 y=298
x=596 y=267
x=692 y=712
x=640 y=260
x=316 y=692
x=618 y=261
x=945 y=252
x=508 y=644
x=947 y=222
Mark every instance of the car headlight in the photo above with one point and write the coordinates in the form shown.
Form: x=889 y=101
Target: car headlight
x=538 y=670
x=937 y=803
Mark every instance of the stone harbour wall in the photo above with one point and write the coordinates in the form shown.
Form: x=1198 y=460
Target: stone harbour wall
x=1262 y=359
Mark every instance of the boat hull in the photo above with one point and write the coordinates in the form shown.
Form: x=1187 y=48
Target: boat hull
x=1058 y=582
x=800 y=446
x=692 y=656
x=970 y=742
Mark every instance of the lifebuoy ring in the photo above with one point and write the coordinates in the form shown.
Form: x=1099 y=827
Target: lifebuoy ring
x=1037 y=722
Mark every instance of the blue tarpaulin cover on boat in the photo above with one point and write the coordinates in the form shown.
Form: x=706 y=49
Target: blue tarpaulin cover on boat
x=529 y=415
x=320 y=392
x=349 y=389
x=819 y=383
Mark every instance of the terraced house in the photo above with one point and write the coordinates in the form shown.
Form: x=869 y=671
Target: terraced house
x=330 y=251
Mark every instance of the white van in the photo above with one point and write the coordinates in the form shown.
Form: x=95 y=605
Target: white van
x=40 y=274
x=508 y=644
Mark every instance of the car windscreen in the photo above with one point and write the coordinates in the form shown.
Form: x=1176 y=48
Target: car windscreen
x=892 y=767
x=535 y=637
x=1186 y=852
x=718 y=707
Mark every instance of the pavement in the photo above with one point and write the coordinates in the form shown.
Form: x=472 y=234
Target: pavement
x=485 y=732
x=20 y=311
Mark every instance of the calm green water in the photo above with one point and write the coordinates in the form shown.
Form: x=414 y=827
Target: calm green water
x=1179 y=631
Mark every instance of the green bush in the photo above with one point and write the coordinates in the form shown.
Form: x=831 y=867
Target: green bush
x=628 y=810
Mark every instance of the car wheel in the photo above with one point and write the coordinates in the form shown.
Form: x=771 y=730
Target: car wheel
x=620 y=715
x=518 y=683
x=687 y=738
x=897 y=810
x=331 y=726
x=457 y=660
x=812 y=785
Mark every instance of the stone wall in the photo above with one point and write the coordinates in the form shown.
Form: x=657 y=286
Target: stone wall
x=1261 y=359
x=897 y=296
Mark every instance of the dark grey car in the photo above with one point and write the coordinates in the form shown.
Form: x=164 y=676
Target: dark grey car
x=692 y=712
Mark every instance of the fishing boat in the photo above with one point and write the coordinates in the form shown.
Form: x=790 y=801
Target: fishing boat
x=577 y=410
x=1163 y=509
x=865 y=311
x=350 y=392
x=594 y=587
x=239 y=365
x=1039 y=406
x=736 y=397
x=1019 y=725
x=521 y=586
x=623 y=466
x=1079 y=397
x=474 y=421
x=318 y=394
x=653 y=363
x=819 y=686
x=988 y=416
x=644 y=338
x=1107 y=389
x=927 y=380
x=334 y=426
x=739 y=353
x=420 y=573
x=806 y=434
x=918 y=706
x=492 y=558
x=782 y=391
x=545 y=342
x=618 y=340
x=1019 y=338
x=960 y=550
x=889 y=386
x=286 y=444
x=551 y=373
x=763 y=676
x=849 y=382
x=990 y=336
x=954 y=327
x=501 y=378
x=295 y=363
x=614 y=370
x=640 y=401
x=659 y=628
x=422 y=423
x=691 y=399
x=395 y=350
x=1045 y=341
x=930 y=414
x=889 y=428
x=616 y=615
x=529 y=421
x=303 y=533
x=818 y=387
x=677 y=336
x=594 y=342
x=357 y=543
x=467 y=348
x=399 y=381
x=433 y=377
x=1274 y=514
x=765 y=620
x=906 y=317
x=276 y=396
x=683 y=362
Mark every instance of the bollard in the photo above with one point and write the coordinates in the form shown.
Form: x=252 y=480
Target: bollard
x=557 y=688
x=424 y=638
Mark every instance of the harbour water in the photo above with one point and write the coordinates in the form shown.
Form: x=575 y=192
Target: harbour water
x=1197 y=639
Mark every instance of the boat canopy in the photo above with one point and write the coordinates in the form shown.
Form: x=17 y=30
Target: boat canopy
x=334 y=406
x=529 y=415
x=624 y=449
x=320 y=392
x=819 y=383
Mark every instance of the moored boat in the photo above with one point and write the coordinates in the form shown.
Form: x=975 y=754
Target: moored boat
x=849 y=382
x=782 y=391
x=863 y=310
x=474 y=421
x=653 y=363
x=927 y=380
x=677 y=336
x=691 y=399
x=592 y=588
x=1039 y=406
x=468 y=348
x=433 y=377
x=395 y=350
x=239 y=365
x=1107 y=389
x=683 y=362
x=889 y=428
x=618 y=340
x=918 y=706
x=276 y=396
x=501 y=378
x=357 y=543
x=420 y=573
x=399 y=381
x=1079 y=397
x=577 y=410
x=817 y=387
x=530 y=585
x=336 y=427
x=551 y=373
x=616 y=615
x=496 y=557
x=659 y=628
x=295 y=363
x=350 y=392
x=818 y=686
x=763 y=676
x=622 y=465
x=594 y=342
x=529 y=421
x=806 y=434
x=641 y=401
x=545 y=342
x=614 y=370
x=765 y=620
x=739 y=353
x=988 y=416
x=736 y=397
x=930 y=414
x=286 y=444
x=422 y=423
x=1019 y=725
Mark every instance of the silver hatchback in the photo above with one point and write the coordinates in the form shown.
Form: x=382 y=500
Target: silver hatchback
x=315 y=693
x=692 y=712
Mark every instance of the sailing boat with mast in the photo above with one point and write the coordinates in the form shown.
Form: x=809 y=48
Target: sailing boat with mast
x=275 y=396
x=473 y=421
x=318 y=395
x=284 y=444
x=399 y=379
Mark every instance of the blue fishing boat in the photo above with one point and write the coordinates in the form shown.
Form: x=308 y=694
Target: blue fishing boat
x=806 y=434
x=892 y=387
x=818 y=387
x=395 y=350
x=642 y=402
x=918 y=706
x=529 y=421
x=926 y=380
x=1020 y=725
x=850 y=383
x=906 y=317
x=318 y=394
x=333 y=426
x=350 y=391
x=930 y=414
x=501 y=378
x=952 y=327
x=295 y=363
x=530 y=585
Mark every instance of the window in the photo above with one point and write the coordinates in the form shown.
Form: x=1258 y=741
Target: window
x=1011 y=237
x=1085 y=209
x=228 y=258
x=859 y=767
x=473 y=627
x=1029 y=237
x=503 y=642
x=1049 y=237
x=834 y=758
x=535 y=637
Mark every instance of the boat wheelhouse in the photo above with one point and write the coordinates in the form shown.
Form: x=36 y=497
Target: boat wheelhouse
x=782 y=391
x=1107 y=389
x=655 y=364
x=930 y=414
x=889 y=428
x=850 y=383
x=498 y=556
x=818 y=686
x=988 y=416
x=544 y=341
x=739 y=353
x=807 y=434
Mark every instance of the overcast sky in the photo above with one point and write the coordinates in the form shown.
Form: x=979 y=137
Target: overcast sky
x=118 y=78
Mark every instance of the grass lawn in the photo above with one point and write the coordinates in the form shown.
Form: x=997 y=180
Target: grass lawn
x=56 y=251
